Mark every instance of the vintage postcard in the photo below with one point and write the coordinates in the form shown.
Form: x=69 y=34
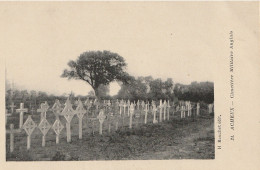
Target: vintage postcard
x=130 y=85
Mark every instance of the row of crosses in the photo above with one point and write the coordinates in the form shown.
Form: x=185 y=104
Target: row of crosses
x=68 y=112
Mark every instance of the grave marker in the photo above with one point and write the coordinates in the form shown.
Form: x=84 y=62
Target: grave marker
x=43 y=110
x=12 y=106
x=29 y=127
x=198 y=109
x=12 y=131
x=164 y=110
x=138 y=104
x=182 y=112
x=160 y=107
x=154 y=114
x=56 y=108
x=120 y=107
x=145 y=116
x=44 y=127
x=168 y=110
x=190 y=109
x=124 y=107
x=57 y=127
x=21 y=110
x=7 y=115
x=128 y=107
x=101 y=117
x=80 y=113
x=68 y=113
x=93 y=124
x=131 y=115
x=210 y=107
x=143 y=105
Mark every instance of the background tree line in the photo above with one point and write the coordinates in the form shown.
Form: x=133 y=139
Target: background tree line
x=140 y=88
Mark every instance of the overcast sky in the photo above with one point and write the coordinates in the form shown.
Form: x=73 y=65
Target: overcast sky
x=175 y=40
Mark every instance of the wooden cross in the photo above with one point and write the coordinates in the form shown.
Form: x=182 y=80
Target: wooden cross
x=29 y=127
x=138 y=103
x=148 y=104
x=44 y=127
x=93 y=124
x=154 y=114
x=80 y=113
x=57 y=127
x=143 y=105
x=12 y=131
x=101 y=117
x=182 y=112
x=189 y=108
x=131 y=115
x=168 y=110
x=128 y=107
x=21 y=110
x=124 y=107
x=134 y=104
x=198 y=109
x=68 y=113
x=7 y=115
x=12 y=106
x=160 y=116
x=43 y=110
x=56 y=108
x=120 y=107
x=164 y=110
x=146 y=110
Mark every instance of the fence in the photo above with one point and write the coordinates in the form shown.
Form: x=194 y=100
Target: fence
x=95 y=116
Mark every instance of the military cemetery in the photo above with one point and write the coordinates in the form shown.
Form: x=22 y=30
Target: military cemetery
x=89 y=90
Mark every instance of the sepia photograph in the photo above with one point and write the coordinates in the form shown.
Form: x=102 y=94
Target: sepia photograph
x=116 y=82
x=124 y=84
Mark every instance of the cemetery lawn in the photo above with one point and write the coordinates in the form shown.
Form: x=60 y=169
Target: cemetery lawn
x=192 y=138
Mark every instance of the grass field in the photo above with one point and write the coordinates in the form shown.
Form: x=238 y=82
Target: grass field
x=189 y=138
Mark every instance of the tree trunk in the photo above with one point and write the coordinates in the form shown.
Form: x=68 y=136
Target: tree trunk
x=97 y=94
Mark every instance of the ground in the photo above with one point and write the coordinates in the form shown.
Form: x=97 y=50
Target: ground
x=189 y=138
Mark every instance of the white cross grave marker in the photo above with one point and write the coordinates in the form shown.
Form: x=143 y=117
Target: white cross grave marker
x=143 y=105
x=198 y=109
x=21 y=110
x=131 y=115
x=168 y=110
x=7 y=115
x=101 y=117
x=128 y=107
x=29 y=127
x=120 y=107
x=56 y=108
x=44 y=127
x=182 y=112
x=12 y=131
x=146 y=110
x=68 y=113
x=80 y=113
x=57 y=127
x=154 y=114
x=164 y=110
x=12 y=106
x=124 y=107
x=160 y=107
x=43 y=110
